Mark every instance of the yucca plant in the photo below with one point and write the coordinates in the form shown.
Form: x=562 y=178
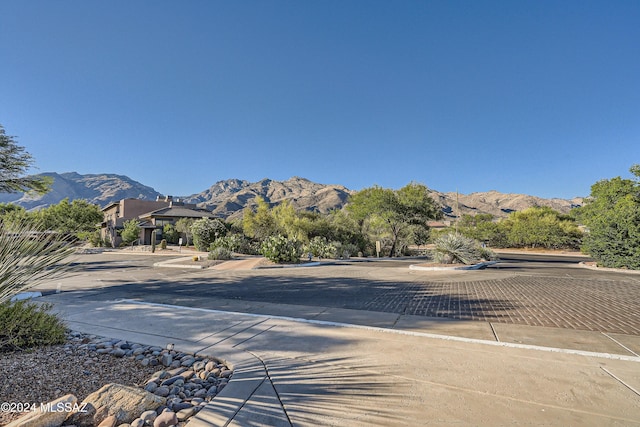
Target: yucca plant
x=30 y=256
x=455 y=248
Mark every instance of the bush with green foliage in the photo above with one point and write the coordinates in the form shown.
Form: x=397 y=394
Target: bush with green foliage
x=25 y=325
x=344 y=250
x=541 y=226
x=205 y=231
x=220 y=253
x=235 y=242
x=280 y=249
x=320 y=247
x=612 y=216
x=455 y=248
x=78 y=218
x=131 y=232
x=95 y=239
x=393 y=215
x=183 y=226
x=170 y=233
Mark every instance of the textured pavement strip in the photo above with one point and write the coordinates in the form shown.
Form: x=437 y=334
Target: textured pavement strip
x=313 y=392
x=531 y=304
x=245 y=337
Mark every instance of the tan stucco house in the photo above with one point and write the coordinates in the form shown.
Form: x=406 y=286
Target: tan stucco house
x=152 y=215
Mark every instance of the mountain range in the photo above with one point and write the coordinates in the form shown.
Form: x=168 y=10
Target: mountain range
x=229 y=197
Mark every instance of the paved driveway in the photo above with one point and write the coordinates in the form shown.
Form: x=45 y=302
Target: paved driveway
x=536 y=291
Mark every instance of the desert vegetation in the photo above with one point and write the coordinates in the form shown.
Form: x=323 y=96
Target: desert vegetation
x=612 y=217
x=30 y=253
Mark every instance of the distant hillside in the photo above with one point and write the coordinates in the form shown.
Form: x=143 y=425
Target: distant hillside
x=497 y=204
x=228 y=198
x=100 y=189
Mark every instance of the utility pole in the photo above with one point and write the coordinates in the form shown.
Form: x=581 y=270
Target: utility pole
x=457 y=210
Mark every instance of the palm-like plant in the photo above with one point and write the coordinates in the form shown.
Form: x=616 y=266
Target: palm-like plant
x=30 y=256
x=455 y=248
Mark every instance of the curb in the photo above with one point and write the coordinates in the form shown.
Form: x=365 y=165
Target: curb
x=464 y=267
x=613 y=270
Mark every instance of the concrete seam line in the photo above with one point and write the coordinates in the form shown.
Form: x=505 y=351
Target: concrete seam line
x=620 y=344
x=254 y=335
x=124 y=330
x=244 y=403
x=495 y=334
x=403 y=332
x=620 y=381
x=266 y=370
x=221 y=330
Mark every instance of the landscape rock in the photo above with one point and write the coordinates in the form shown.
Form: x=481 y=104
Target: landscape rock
x=110 y=421
x=162 y=391
x=124 y=402
x=183 y=414
x=148 y=417
x=45 y=418
x=166 y=419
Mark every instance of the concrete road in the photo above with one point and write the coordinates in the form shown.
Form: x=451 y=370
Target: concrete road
x=361 y=344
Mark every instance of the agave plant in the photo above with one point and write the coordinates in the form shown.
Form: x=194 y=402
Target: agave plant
x=455 y=248
x=30 y=256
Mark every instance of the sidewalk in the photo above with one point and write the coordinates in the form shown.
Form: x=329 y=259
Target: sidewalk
x=308 y=373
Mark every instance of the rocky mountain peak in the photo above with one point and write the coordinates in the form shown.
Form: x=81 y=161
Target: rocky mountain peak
x=228 y=198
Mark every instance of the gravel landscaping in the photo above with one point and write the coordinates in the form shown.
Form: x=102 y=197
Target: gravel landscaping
x=85 y=363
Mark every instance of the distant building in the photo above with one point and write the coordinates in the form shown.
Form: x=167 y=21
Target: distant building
x=151 y=215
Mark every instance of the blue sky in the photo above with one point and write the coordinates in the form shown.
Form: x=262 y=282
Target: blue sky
x=537 y=97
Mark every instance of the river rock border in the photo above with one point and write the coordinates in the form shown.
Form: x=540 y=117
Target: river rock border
x=183 y=384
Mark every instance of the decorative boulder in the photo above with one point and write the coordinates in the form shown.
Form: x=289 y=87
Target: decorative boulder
x=124 y=402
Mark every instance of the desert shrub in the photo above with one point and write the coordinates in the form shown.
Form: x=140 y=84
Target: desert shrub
x=29 y=256
x=170 y=233
x=26 y=325
x=320 y=247
x=280 y=249
x=235 y=243
x=455 y=248
x=344 y=250
x=95 y=239
x=163 y=244
x=220 y=253
x=612 y=215
x=131 y=232
x=205 y=231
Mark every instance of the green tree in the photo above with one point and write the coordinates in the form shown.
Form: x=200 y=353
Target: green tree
x=612 y=216
x=170 y=233
x=183 y=225
x=289 y=222
x=261 y=223
x=395 y=211
x=10 y=213
x=78 y=218
x=484 y=228
x=205 y=231
x=541 y=226
x=131 y=231
x=14 y=163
